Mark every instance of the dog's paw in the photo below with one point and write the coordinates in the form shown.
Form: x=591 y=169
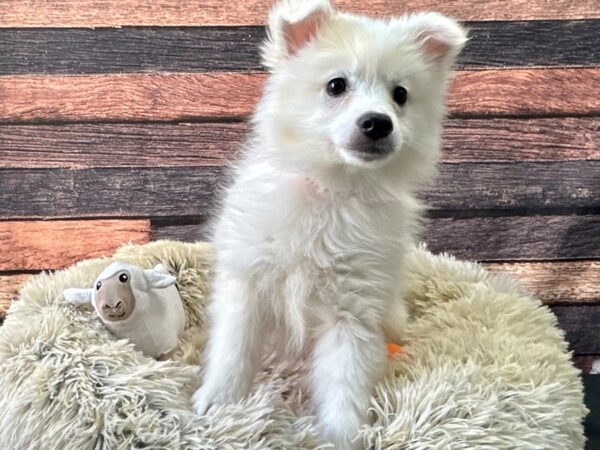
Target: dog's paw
x=202 y=400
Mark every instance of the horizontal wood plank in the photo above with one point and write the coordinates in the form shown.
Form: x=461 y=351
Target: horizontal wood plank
x=186 y=96
x=37 y=245
x=237 y=49
x=107 y=13
x=483 y=239
x=156 y=97
x=526 y=92
x=516 y=238
x=557 y=281
x=581 y=324
x=189 y=191
x=9 y=288
x=214 y=144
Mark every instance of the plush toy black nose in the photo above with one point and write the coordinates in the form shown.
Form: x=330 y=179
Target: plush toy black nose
x=375 y=125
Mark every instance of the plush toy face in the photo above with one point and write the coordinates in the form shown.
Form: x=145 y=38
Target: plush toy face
x=114 y=297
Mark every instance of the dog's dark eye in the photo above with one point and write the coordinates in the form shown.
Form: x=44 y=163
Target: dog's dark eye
x=336 y=87
x=123 y=278
x=400 y=95
x=98 y=285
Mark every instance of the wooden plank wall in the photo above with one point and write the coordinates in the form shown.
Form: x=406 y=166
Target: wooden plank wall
x=117 y=118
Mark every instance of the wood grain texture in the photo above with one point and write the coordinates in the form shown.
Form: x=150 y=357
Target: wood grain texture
x=106 y=13
x=120 y=145
x=206 y=49
x=581 y=324
x=526 y=92
x=9 y=288
x=214 y=144
x=38 y=245
x=156 y=97
x=181 y=97
x=516 y=238
x=521 y=139
x=481 y=239
x=557 y=281
x=189 y=191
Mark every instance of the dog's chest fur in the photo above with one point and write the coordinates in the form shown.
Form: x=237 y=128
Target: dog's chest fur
x=309 y=249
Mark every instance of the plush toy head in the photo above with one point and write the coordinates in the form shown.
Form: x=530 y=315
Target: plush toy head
x=116 y=288
x=143 y=306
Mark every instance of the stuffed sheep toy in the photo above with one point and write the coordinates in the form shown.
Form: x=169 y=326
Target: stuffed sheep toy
x=143 y=306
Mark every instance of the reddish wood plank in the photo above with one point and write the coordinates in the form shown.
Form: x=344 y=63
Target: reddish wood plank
x=128 y=97
x=214 y=144
x=99 y=13
x=37 y=245
x=30 y=98
x=9 y=288
x=557 y=281
x=525 y=92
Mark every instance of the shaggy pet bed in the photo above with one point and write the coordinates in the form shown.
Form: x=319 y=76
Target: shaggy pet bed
x=483 y=367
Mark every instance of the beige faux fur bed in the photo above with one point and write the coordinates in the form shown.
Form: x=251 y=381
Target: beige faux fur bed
x=484 y=367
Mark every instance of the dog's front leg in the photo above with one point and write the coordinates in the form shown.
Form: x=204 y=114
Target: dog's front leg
x=234 y=345
x=349 y=358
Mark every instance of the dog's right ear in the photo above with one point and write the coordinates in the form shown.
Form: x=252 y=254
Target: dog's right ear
x=293 y=24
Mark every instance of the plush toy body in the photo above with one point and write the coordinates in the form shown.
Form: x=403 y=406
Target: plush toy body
x=143 y=306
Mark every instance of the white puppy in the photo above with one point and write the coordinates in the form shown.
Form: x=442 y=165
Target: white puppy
x=313 y=232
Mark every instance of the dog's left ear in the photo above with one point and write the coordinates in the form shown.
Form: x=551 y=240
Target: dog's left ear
x=441 y=38
x=293 y=24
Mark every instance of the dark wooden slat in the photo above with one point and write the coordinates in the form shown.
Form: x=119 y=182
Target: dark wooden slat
x=107 y=192
x=119 y=145
x=102 y=13
x=513 y=140
x=181 y=97
x=582 y=326
x=205 y=49
x=569 y=184
x=516 y=238
x=188 y=191
x=213 y=144
x=38 y=245
x=486 y=239
x=129 y=50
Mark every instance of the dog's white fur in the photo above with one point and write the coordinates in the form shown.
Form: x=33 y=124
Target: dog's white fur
x=311 y=239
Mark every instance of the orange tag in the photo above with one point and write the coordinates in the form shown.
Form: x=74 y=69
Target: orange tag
x=393 y=349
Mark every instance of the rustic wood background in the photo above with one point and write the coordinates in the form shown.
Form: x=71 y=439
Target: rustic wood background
x=118 y=116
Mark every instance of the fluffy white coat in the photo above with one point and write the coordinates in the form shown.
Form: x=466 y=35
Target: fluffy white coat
x=311 y=239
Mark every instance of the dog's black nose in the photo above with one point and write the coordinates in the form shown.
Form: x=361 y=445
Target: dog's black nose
x=375 y=125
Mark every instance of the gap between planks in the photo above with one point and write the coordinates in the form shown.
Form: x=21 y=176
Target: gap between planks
x=108 y=13
x=80 y=146
x=188 y=96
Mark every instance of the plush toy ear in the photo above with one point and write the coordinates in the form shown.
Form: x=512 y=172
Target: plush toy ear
x=441 y=38
x=79 y=296
x=293 y=24
x=159 y=277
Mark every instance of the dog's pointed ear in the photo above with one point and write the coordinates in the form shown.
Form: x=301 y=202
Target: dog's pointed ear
x=440 y=37
x=293 y=24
